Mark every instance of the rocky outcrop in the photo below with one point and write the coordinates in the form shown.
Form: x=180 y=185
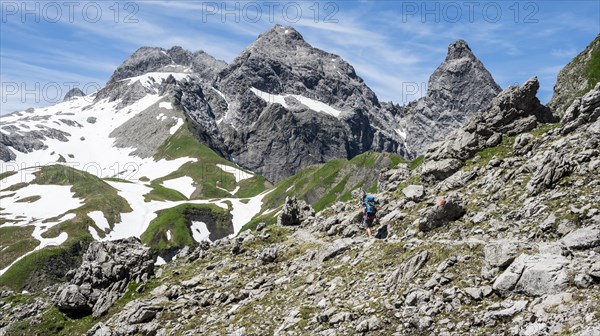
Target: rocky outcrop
x=457 y=89
x=573 y=80
x=104 y=275
x=26 y=141
x=584 y=110
x=500 y=253
x=294 y=212
x=534 y=275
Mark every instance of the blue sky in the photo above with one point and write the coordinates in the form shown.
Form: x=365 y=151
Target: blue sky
x=48 y=47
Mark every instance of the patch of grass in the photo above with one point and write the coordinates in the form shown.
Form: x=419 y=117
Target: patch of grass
x=544 y=128
x=29 y=199
x=269 y=219
x=15 y=241
x=501 y=151
x=178 y=220
x=160 y=193
x=373 y=188
x=396 y=160
x=252 y=187
x=414 y=164
x=367 y=159
x=16 y=276
x=7 y=174
x=331 y=196
x=348 y=195
x=144 y=179
x=52 y=322
x=307 y=312
x=16 y=186
x=205 y=172
x=593 y=69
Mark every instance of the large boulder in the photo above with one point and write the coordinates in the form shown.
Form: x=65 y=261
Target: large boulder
x=106 y=270
x=500 y=253
x=534 y=275
x=584 y=238
x=440 y=215
x=294 y=212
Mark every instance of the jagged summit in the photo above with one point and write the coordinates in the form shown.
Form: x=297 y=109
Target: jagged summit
x=175 y=59
x=280 y=32
x=459 y=49
x=460 y=86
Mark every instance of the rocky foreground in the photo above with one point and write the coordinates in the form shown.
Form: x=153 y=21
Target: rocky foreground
x=513 y=251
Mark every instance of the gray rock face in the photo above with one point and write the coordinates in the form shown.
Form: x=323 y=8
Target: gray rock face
x=74 y=92
x=515 y=110
x=441 y=215
x=584 y=110
x=457 y=89
x=107 y=269
x=28 y=141
x=552 y=169
x=534 y=275
x=147 y=130
x=440 y=170
x=294 y=212
x=584 y=238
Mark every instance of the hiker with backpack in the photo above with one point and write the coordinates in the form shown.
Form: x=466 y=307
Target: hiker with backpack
x=369 y=211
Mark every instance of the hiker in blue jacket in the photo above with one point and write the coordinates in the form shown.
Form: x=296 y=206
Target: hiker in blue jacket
x=369 y=211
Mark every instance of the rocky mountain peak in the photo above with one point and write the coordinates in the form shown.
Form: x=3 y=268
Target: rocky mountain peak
x=175 y=59
x=459 y=49
x=280 y=36
x=462 y=78
x=459 y=87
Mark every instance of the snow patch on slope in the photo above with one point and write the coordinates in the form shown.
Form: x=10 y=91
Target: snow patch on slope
x=200 y=232
x=239 y=175
x=184 y=184
x=312 y=104
x=166 y=105
x=55 y=200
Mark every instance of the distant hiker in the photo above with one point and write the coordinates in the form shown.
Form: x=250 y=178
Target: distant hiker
x=369 y=211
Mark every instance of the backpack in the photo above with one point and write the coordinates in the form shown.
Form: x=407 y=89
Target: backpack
x=370 y=205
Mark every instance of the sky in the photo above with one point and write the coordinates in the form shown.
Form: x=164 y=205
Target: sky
x=48 y=47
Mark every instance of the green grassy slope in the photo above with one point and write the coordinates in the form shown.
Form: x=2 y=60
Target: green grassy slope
x=208 y=177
